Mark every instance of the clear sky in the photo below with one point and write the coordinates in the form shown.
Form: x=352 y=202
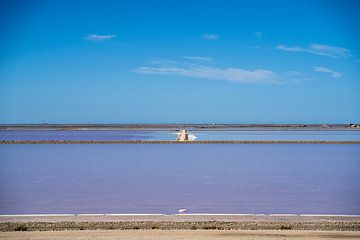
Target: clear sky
x=182 y=61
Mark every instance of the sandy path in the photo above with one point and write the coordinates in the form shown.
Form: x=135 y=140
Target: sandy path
x=179 y=234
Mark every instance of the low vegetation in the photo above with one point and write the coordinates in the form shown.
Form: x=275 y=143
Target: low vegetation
x=206 y=225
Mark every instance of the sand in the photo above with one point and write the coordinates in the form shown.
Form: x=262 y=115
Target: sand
x=180 y=234
x=289 y=218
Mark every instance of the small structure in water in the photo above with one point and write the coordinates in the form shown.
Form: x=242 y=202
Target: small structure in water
x=183 y=135
x=182 y=210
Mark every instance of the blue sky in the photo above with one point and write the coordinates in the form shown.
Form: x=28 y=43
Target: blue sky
x=179 y=61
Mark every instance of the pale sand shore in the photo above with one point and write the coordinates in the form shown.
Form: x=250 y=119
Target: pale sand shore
x=201 y=217
x=179 y=234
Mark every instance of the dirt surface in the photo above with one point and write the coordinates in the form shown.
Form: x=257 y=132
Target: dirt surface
x=178 y=222
x=179 y=234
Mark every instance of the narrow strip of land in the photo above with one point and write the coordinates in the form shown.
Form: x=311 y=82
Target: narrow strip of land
x=179 y=126
x=178 y=222
x=175 y=142
x=183 y=217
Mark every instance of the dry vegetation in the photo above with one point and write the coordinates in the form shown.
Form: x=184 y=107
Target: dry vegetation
x=188 y=225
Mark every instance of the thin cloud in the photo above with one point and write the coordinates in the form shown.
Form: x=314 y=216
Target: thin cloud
x=198 y=58
x=210 y=36
x=259 y=34
x=162 y=62
x=99 y=37
x=296 y=77
x=319 y=49
x=327 y=70
x=213 y=73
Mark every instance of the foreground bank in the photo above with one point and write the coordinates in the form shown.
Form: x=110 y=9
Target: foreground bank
x=178 y=222
x=180 y=234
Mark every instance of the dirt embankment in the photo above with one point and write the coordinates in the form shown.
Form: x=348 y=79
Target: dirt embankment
x=207 y=225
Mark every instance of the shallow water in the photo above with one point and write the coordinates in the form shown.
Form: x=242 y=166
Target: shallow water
x=331 y=135
x=255 y=178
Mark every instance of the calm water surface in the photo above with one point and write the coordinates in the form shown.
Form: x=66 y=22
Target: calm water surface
x=333 y=135
x=298 y=178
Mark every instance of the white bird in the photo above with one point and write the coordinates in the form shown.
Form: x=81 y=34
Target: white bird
x=182 y=210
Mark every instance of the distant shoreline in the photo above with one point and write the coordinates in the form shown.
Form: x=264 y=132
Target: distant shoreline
x=197 y=127
x=175 y=142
